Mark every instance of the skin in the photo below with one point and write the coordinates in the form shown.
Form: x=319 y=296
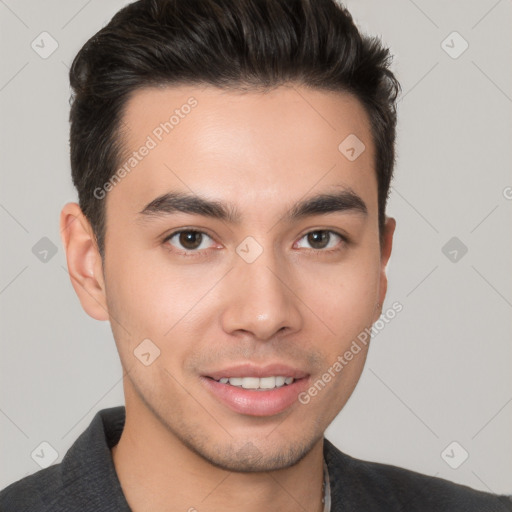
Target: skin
x=295 y=304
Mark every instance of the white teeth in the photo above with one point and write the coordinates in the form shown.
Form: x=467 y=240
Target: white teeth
x=280 y=381
x=250 y=382
x=256 y=382
x=267 y=382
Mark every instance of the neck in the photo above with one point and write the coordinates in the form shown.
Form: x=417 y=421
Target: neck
x=158 y=472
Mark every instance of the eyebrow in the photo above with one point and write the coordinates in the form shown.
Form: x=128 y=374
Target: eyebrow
x=345 y=201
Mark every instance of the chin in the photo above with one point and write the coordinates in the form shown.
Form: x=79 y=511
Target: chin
x=248 y=458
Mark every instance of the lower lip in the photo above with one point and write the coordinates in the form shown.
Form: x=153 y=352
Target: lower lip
x=254 y=402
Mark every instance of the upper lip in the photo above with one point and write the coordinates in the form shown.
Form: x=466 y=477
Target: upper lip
x=252 y=370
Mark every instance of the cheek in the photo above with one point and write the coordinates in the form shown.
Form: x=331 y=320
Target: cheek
x=343 y=296
x=150 y=304
x=151 y=295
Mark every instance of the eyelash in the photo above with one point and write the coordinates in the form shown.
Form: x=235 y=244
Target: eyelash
x=205 y=252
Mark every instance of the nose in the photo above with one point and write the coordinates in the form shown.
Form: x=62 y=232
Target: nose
x=260 y=299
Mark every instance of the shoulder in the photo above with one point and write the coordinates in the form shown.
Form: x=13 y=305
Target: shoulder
x=376 y=486
x=85 y=480
x=35 y=493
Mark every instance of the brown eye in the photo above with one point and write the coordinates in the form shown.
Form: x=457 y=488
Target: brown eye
x=188 y=240
x=318 y=239
x=323 y=240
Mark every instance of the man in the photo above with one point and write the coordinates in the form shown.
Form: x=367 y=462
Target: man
x=233 y=160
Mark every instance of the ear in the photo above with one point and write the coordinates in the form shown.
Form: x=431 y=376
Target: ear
x=385 y=253
x=84 y=261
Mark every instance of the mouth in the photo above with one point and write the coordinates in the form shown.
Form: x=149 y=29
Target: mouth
x=256 y=391
x=257 y=383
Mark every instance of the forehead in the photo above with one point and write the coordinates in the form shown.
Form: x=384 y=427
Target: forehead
x=242 y=146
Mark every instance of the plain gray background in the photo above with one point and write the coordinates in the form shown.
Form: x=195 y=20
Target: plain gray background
x=438 y=373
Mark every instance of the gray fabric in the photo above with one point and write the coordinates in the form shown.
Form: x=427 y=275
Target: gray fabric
x=86 y=481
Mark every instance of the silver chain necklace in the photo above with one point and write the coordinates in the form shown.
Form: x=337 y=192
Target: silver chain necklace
x=326 y=488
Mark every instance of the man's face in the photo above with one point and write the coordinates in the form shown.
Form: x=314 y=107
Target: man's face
x=270 y=295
